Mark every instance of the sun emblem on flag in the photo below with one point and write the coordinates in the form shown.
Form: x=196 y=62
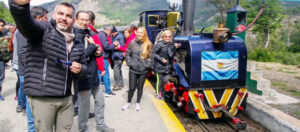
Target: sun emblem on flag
x=220 y=65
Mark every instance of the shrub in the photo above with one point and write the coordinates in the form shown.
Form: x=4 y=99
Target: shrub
x=260 y=54
x=267 y=55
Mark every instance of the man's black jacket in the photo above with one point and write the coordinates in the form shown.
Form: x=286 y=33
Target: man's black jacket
x=47 y=72
x=90 y=80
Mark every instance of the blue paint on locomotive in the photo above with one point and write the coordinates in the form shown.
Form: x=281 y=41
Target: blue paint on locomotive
x=192 y=65
x=152 y=29
x=181 y=76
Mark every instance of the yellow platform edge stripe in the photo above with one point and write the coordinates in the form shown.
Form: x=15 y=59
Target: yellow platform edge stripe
x=169 y=118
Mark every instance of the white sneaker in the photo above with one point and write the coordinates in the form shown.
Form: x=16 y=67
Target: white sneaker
x=137 y=107
x=125 y=107
x=109 y=94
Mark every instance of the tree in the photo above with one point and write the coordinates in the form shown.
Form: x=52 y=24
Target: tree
x=222 y=6
x=5 y=14
x=295 y=39
x=269 y=21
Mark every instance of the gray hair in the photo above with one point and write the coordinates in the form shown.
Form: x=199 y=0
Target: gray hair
x=106 y=27
x=67 y=5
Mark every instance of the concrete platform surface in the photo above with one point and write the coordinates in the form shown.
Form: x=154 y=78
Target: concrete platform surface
x=271 y=118
x=149 y=119
x=278 y=98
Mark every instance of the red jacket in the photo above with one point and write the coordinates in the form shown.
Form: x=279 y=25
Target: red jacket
x=100 y=60
x=130 y=38
x=93 y=29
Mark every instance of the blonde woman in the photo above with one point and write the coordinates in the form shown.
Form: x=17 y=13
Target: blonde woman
x=162 y=57
x=138 y=60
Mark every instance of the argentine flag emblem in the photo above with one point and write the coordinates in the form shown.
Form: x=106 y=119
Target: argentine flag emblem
x=219 y=65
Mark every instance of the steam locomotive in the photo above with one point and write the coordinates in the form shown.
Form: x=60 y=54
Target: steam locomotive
x=209 y=79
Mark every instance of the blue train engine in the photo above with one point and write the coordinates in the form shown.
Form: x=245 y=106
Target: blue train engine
x=209 y=79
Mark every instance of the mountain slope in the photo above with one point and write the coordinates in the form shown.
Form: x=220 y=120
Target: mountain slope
x=124 y=12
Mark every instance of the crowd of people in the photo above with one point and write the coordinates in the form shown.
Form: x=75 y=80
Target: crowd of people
x=60 y=63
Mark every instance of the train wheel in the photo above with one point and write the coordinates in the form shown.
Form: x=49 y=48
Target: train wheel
x=168 y=96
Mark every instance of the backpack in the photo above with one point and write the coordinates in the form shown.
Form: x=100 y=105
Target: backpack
x=6 y=54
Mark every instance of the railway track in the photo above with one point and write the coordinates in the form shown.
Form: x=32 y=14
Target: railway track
x=203 y=126
x=191 y=124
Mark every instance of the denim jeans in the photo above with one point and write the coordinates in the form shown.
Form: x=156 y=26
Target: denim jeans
x=106 y=79
x=30 y=119
x=2 y=74
x=21 y=96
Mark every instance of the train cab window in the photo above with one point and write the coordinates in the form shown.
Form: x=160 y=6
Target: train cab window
x=241 y=17
x=153 y=20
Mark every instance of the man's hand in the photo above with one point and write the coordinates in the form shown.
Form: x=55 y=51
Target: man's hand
x=124 y=54
x=117 y=47
x=22 y=2
x=98 y=51
x=75 y=67
x=117 y=44
x=164 y=61
x=102 y=73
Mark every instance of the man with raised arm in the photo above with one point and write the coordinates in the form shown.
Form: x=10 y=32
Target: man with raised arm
x=53 y=58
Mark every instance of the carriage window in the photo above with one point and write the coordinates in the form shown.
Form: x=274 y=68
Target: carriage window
x=153 y=20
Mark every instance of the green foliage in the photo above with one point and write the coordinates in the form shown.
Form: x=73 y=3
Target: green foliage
x=271 y=18
x=222 y=6
x=5 y=13
x=204 y=14
x=276 y=43
x=266 y=55
x=260 y=54
x=126 y=12
x=297 y=94
x=277 y=52
x=295 y=10
x=295 y=48
x=295 y=39
x=270 y=24
x=283 y=86
x=206 y=29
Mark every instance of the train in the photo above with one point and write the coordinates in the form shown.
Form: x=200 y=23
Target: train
x=209 y=78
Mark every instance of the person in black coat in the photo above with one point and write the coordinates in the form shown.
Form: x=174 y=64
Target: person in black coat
x=117 y=57
x=162 y=58
x=138 y=59
x=53 y=59
x=89 y=84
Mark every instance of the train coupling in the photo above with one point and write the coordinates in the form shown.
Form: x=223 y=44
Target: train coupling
x=234 y=122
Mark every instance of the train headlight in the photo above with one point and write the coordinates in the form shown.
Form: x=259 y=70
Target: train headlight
x=221 y=34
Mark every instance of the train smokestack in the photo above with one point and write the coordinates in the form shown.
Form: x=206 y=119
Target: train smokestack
x=188 y=16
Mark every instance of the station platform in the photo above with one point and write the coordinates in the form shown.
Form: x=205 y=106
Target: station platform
x=155 y=115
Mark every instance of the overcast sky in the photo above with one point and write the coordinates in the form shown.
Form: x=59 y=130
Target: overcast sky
x=32 y=2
